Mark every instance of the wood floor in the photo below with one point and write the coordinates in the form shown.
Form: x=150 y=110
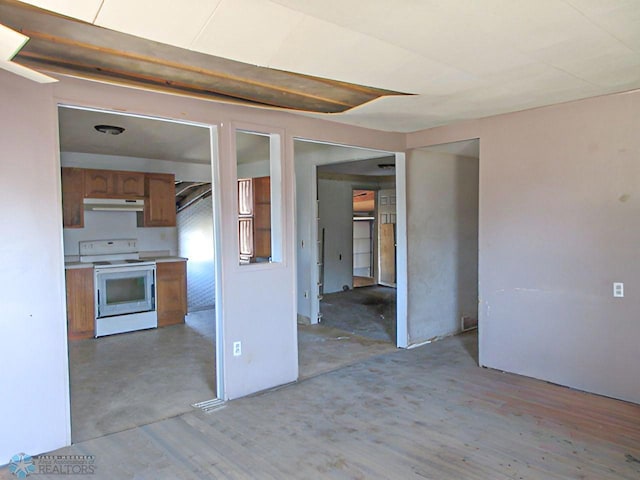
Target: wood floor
x=426 y=413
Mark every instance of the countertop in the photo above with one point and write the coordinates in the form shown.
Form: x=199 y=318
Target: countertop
x=72 y=265
x=158 y=259
x=165 y=259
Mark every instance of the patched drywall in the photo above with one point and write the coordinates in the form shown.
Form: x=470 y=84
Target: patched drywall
x=559 y=223
x=442 y=223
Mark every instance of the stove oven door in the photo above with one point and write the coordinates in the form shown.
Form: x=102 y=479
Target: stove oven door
x=124 y=290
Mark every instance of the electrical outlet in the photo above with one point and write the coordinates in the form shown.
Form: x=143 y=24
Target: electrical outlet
x=237 y=349
x=618 y=289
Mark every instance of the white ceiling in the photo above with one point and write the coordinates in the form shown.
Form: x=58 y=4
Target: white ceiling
x=160 y=139
x=463 y=58
x=143 y=137
x=367 y=167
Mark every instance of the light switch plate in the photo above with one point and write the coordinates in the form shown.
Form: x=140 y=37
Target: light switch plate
x=618 y=289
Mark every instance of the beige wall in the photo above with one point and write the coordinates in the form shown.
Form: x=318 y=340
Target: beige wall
x=442 y=237
x=34 y=403
x=559 y=223
x=33 y=324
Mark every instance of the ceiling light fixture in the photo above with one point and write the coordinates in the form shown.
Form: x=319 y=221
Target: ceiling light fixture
x=387 y=166
x=110 y=129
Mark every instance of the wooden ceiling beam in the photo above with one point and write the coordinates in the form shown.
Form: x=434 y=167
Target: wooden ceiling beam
x=65 y=45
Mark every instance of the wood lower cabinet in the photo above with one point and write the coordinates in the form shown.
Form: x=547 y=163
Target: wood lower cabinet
x=160 y=201
x=171 y=292
x=80 y=303
x=72 y=196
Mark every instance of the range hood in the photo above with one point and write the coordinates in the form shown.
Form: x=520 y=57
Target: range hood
x=113 y=205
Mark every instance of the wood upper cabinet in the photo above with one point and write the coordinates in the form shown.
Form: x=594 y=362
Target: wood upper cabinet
x=160 y=200
x=171 y=288
x=80 y=303
x=254 y=219
x=98 y=183
x=262 y=216
x=129 y=184
x=245 y=197
x=72 y=196
x=157 y=189
x=113 y=184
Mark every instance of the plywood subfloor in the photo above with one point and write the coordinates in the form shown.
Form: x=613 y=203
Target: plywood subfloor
x=368 y=312
x=426 y=413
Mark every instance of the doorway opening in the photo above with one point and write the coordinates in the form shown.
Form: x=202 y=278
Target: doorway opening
x=137 y=193
x=443 y=199
x=344 y=312
x=364 y=244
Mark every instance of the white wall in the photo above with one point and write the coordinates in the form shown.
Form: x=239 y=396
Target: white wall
x=254 y=169
x=195 y=241
x=336 y=218
x=113 y=225
x=34 y=404
x=442 y=219
x=184 y=171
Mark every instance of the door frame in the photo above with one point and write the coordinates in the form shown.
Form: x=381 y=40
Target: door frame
x=214 y=133
x=373 y=265
x=402 y=339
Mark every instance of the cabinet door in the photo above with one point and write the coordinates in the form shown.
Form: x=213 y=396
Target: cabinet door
x=160 y=203
x=80 y=303
x=129 y=184
x=245 y=197
x=72 y=196
x=245 y=238
x=171 y=287
x=262 y=217
x=98 y=183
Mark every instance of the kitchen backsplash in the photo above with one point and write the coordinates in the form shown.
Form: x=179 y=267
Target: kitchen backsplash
x=112 y=225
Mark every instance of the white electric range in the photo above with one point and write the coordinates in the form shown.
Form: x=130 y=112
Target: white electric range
x=124 y=286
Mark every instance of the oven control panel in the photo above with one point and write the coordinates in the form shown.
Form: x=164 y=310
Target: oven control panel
x=108 y=247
